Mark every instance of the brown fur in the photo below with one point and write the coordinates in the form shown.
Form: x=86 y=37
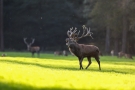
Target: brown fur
x=122 y=54
x=32 y=49
x=82 y=51
x=3 y=55
x=58 y=53
x=128 y=56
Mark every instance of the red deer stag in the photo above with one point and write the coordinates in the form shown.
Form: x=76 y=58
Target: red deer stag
x=81 y=50
x=32 y=49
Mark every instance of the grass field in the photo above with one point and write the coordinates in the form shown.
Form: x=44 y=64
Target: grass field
x=21 y=71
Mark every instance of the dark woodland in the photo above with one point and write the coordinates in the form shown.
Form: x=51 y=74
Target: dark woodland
x=112 y=23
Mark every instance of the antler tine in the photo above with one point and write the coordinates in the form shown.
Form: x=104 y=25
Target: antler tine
x=75 y=30
x=88 y=33
x=32 y=40
x=82 y=34
x=78 y=33
x=25 y=40
x=71 y=29
x=70 y=33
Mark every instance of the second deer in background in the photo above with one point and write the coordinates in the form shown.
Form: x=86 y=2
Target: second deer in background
x=32 y=49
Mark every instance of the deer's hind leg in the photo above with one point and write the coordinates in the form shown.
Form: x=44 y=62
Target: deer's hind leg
x=98 y=61
x=89 y=62
x=33 y=54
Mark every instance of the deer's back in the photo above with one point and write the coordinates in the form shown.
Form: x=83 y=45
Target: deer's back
x=89 y=50
x=35 y=49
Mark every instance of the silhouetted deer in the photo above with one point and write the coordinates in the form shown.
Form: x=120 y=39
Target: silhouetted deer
x=65 y=53
x=58 y=53
x=128 y=56
x=112 y=52
x=32 y=49
x=122 y=54
x=81 y=50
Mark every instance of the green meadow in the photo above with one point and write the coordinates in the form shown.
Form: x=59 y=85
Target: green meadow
x=19 y=71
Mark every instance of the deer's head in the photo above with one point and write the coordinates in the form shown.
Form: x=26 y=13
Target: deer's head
x=74 y=36
x=28 y=44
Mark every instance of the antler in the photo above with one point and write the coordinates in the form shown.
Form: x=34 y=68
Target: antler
x=70 y=33
x=25 y=40
x=28 y=43
x=32 y=40
x=84 y=30
x=75 y=36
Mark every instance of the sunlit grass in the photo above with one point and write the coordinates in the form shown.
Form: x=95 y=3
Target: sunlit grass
x=21 y=71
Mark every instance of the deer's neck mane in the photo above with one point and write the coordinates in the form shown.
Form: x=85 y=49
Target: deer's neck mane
x=75 y=49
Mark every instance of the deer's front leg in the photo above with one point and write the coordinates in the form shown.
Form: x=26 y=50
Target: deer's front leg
x=80 y=63
x=89 y=62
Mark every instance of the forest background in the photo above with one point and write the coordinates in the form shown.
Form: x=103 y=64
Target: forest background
x=111 y=21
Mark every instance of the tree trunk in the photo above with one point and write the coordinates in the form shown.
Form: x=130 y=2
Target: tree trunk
x=1 y=26
x=107 y=41
x=124 y=33
x=116 y=47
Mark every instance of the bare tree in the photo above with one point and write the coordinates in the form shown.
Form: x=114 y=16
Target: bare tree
x=1 y=26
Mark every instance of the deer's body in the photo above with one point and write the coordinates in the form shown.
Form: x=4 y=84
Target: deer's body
x=122 y=54
x=58 y=53
x=34 y=49
x=128 y=56
x=81 y=50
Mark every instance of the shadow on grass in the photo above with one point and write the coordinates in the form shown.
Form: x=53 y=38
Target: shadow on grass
x=16 y=86
x=39 y=65
x=67 y=68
